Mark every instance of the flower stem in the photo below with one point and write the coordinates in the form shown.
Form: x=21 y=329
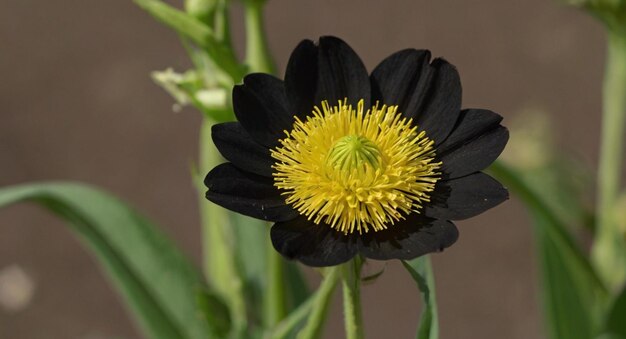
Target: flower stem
x=218 y=254
x=258 y=57
x=314 y=325
x=293 y=319
x=274 y=298
x=352 y=299
x=609 y=252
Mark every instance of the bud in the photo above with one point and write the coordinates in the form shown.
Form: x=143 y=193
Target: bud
x=203 y=10
x=16 y=288
x=175 y=83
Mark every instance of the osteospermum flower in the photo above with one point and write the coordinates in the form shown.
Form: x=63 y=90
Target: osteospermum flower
x=347 y=163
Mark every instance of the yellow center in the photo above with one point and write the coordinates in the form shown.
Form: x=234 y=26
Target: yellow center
x=355 y=170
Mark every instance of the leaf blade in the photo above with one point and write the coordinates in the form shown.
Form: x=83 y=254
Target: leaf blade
x=196 y=31
x=574 y=296
x=615 y=323
x=156 y=280
x=421 y=271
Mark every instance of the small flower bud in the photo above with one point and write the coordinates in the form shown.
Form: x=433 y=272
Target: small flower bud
x=201 y=9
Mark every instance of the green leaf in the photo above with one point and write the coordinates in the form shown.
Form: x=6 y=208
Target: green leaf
x=610 y=336
x=569 y=294
x=319 y=311
x=297 y=289
x=159 y=284
x=250 y=251
x=252 y=237
x=616 y=320
x=294 y=320
x=196 y=31
x=574 y=297
x=215 y=311
x=422 y=272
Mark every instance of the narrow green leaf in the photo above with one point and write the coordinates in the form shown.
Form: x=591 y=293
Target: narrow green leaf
x=199 y=33
x=215 y=311
x=610 y=336
x=574 y=297
x=616 y=320
x=297 y=288
x=250 y=252
x=294 y=320
x=156 y=280
x=252 y=245
x=422 y=272
x=566 y=292
x=315 y=322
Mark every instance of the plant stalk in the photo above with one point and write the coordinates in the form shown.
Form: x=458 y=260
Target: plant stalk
x=218 y=249
x=258 y=56
x=258 y=59
x=315 y=323
x=274 y=298
x=353 y=316
x=609 y=252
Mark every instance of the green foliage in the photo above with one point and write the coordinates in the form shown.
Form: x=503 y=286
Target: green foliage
x=203 y=10
x=192 y=88
x=159 y=284
x=320 y=305
x=574 y=296
x=215 y=312
x=421 y=271
x=571 y=294
x=198 y=33
x=616 y=319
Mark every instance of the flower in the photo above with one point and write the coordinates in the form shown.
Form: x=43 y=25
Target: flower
x=347 y=163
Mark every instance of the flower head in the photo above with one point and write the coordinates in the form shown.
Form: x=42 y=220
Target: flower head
x=347 y=163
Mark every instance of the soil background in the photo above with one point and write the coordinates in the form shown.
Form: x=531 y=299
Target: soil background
x=77 y=103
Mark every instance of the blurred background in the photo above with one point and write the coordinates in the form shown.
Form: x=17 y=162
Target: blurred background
x=77 y=103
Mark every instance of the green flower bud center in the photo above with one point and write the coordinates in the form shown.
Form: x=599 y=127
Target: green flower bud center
x=354 y=152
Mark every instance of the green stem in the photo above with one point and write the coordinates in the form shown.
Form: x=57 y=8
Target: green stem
x=283 y=329
x=218 y=252
x=315 y=323
x=258 y=59
x=429 y=322
x=258 y=56
x=274 y=296
x=352 y=299
x=221 y=23
x=608 y=252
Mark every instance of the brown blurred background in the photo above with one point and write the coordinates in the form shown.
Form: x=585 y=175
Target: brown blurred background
x=76 y=102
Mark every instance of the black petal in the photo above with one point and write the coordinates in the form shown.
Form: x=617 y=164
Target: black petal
x=341 y=74
x=246 y=193
x=261 y=107
x=311 y=244
x=301 y=78
x=432 y=92
x=465 y=197
x=395 y=78
x=438 y=104
x=417 y=235
x=236 y=145
x=471 y=124
x=474 y=144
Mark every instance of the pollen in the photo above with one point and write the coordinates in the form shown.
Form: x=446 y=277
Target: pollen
x=355 y=170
